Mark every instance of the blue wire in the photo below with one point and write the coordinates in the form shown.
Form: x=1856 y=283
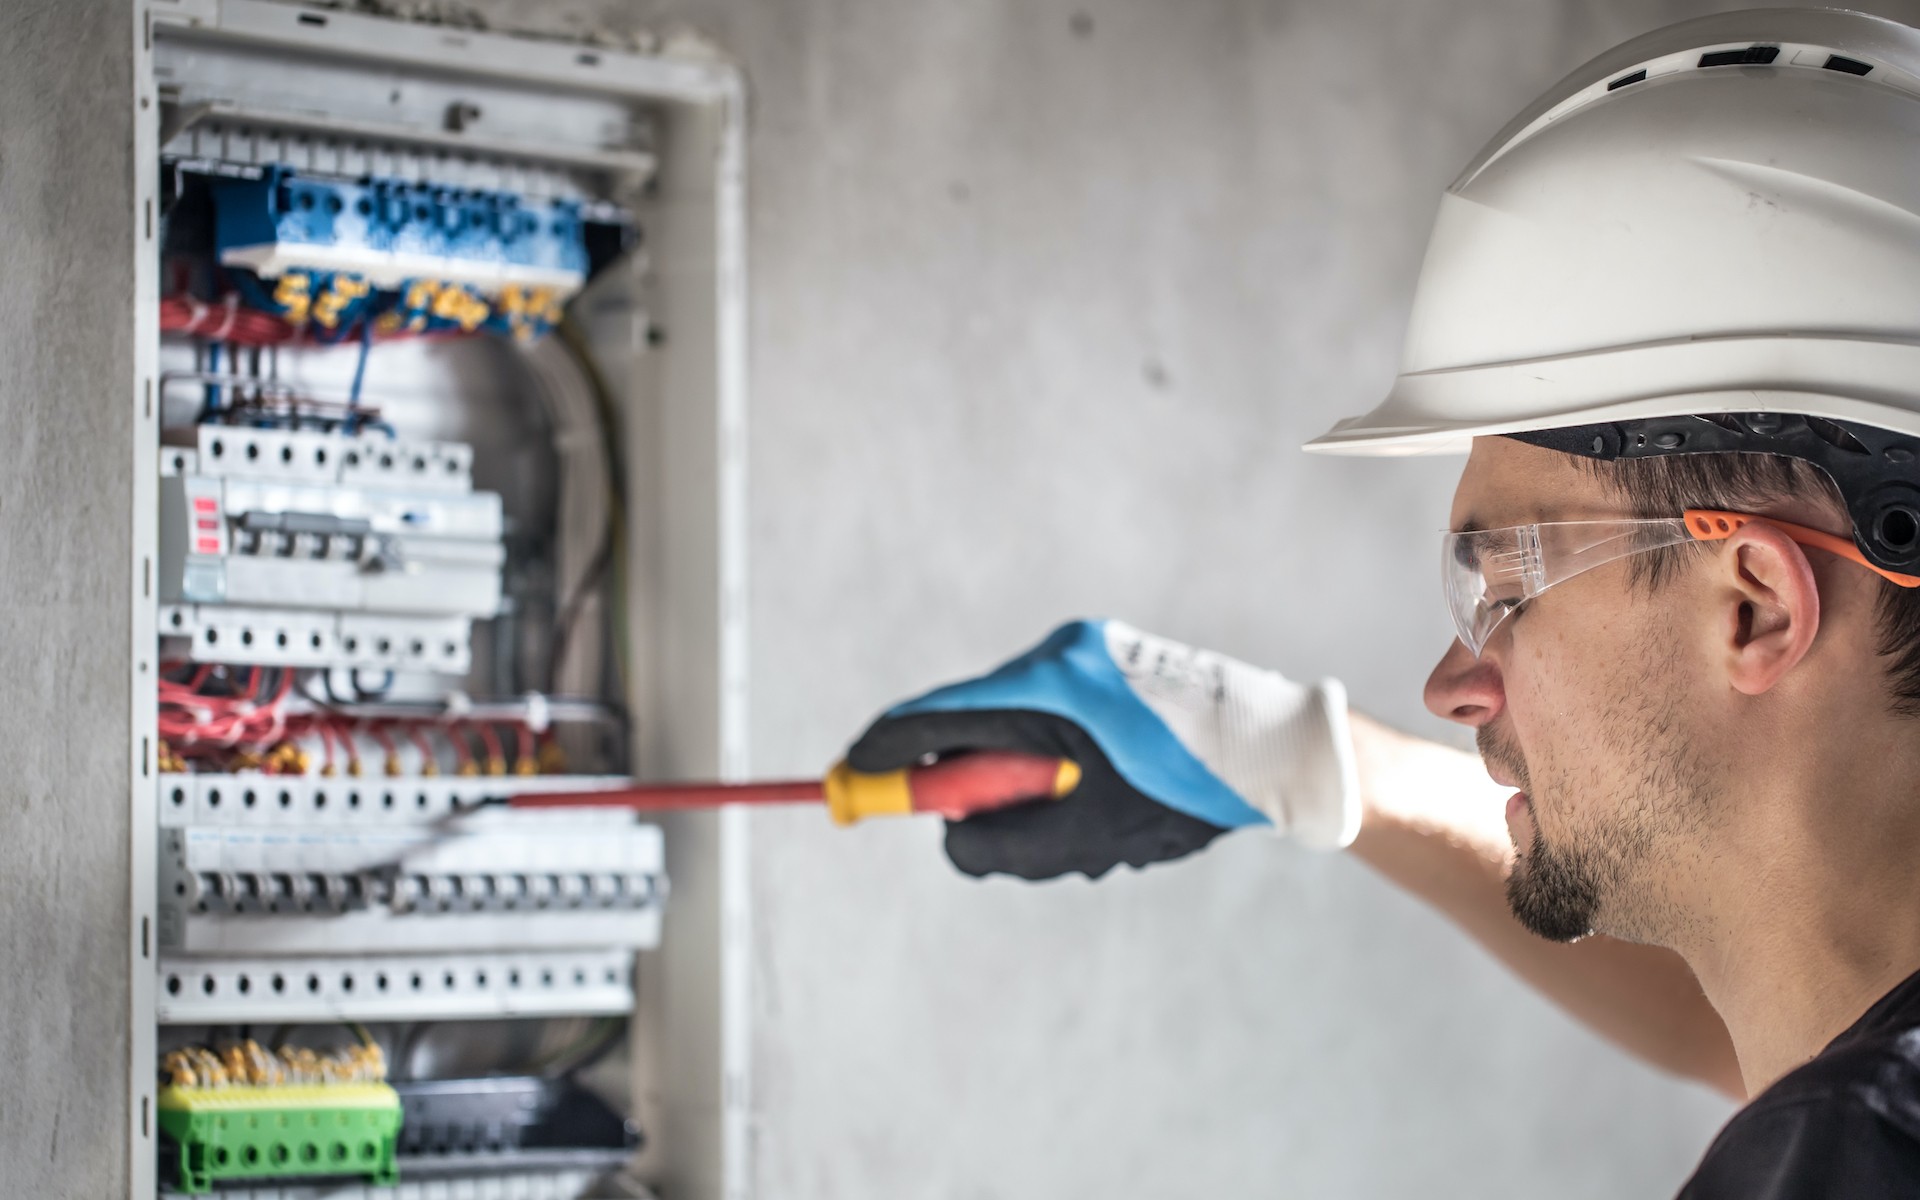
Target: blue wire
x=212 y=404
x=359 y=373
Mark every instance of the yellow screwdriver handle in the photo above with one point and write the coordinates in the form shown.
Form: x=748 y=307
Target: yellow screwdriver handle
x=955 y=788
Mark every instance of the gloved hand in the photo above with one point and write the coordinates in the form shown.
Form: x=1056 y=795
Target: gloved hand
x=1176 y=746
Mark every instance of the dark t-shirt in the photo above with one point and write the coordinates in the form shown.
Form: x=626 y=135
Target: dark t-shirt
x=1846 y=1124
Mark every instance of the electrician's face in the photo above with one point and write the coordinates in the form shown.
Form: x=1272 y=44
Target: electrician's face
x=1578 y=702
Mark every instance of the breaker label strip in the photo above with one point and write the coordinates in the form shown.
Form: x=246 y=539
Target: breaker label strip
x=273 y=637
x=424 y=987
x=256 y=798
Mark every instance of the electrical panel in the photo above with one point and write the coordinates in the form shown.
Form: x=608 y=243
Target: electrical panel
x=441 y=506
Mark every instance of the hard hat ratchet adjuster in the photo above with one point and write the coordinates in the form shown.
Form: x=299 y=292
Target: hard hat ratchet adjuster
x=1877 y=470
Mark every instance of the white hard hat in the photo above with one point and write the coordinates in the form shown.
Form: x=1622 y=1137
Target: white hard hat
x=1720 y=217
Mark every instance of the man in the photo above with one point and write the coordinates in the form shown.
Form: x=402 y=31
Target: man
x=1674 y=311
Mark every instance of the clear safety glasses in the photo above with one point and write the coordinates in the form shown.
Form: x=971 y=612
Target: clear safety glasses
x=1487 y=573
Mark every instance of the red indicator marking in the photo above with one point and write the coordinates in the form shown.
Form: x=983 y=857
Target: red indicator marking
x=207 y=546
x=205 y=504
x=210 y=524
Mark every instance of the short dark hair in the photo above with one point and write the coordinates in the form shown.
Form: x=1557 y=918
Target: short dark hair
x=1663 y=487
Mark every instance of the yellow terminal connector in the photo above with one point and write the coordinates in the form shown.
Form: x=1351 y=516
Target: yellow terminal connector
x=294 y=295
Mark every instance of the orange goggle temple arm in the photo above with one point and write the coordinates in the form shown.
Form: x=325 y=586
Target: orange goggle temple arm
x=1711 y=525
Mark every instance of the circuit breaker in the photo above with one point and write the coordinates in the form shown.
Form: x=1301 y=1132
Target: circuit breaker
x=440 y=373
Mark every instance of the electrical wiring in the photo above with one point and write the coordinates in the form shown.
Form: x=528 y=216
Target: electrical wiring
x=526 y=759
x=210 y=407
x=390 y=754
x=344 y=731
x=586 y=523
x=410 y=1042
x=575 y=340
x=231 y=320
x=360 y=368
x=249 y=1064
x=266 y=718
x=462 y=753
x=325 y=729
x=604 y=564
x=429 y=761
x=496 y=754
x=584 y=591
x=584 y=1051
x=191 y=719
x=362 y=693
x=267 y=402
x=227 y=321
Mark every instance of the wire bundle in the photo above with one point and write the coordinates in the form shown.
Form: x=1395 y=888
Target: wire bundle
x=212 y=714
x=191 y=718
x=248 y=1064
x=228 y=321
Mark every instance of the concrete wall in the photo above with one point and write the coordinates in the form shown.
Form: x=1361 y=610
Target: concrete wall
x=66 y=318
x=1045 y=295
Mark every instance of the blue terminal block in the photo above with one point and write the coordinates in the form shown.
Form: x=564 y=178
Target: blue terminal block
x=391 y=231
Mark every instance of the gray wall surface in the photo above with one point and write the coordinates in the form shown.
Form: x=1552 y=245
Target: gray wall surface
x=1045 y=296
x=66 y=518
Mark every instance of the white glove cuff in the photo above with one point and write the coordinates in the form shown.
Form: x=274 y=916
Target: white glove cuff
x=1321 y=800
x=1284 y=747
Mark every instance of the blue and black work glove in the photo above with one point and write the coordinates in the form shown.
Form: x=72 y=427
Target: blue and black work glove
x=1176 y=746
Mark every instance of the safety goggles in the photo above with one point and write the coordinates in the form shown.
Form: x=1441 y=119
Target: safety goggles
x=1487 y=573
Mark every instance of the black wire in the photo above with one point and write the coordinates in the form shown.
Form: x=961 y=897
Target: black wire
x=333 y=697
x=377 y=692
x=592 y=581
x=599 y=1052
x=594 y=578
x=403 y=1054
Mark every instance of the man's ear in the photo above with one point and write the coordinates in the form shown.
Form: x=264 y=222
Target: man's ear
x=1772 y=606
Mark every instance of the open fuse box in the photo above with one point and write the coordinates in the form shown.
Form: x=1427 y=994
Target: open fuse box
x=440 y=491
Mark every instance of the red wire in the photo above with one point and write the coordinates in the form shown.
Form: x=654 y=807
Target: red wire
x=194 y=721
x=325 y=729
x=227 y=321
x=345 y=730
x=462 y=753
x=491 y=740
x=418 y=734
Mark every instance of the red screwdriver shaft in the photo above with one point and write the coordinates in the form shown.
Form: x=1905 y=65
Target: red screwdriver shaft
x=667 y=797
x=955 y=788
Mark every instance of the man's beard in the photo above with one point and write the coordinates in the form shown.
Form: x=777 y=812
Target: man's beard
x=1554 y=894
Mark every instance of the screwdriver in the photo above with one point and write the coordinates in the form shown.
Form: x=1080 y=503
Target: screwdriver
x=956 y=788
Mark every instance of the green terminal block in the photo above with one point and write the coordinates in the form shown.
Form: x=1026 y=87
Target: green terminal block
x=244 y=1132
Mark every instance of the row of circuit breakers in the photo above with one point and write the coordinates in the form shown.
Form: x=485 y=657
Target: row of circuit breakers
x=296 y=897
x=302 y=548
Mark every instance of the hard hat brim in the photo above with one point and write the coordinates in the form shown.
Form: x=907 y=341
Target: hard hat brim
x=1865 y=379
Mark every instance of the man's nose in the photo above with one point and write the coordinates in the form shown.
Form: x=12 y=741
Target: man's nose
x=1464 y=688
